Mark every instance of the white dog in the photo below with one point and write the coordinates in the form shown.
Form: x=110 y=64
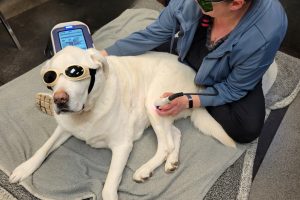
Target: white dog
x=114 y=112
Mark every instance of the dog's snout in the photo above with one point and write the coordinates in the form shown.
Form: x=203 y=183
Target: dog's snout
x=60 y=97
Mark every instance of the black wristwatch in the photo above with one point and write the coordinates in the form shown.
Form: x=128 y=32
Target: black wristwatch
x=191 y=103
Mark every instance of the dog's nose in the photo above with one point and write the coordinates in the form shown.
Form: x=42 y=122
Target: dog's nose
x=60 y=97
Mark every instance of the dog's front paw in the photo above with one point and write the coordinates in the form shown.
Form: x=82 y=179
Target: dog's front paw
x=142 y=174
x=23 y=171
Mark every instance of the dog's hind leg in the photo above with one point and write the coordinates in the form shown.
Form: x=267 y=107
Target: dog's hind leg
x=173 y=158
x=162 y=129
x=28 y=167
x=209 y=126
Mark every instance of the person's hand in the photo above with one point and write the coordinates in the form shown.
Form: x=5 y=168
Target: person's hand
x=103 y=53
x=174 y=107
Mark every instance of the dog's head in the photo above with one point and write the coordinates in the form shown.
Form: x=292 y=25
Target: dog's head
x=73 y=74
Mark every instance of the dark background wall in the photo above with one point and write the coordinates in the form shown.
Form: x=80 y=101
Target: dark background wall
x=291 y=43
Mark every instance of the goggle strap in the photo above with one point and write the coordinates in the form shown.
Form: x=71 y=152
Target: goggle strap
x=92 y=74
x=50 y=88
x=92 y=82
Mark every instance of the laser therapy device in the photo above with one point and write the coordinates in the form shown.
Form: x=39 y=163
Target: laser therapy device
x=74 y=33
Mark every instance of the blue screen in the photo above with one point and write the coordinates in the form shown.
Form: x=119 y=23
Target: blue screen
x=73 y=37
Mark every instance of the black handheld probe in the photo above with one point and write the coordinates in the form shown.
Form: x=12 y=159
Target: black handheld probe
x=166 y=100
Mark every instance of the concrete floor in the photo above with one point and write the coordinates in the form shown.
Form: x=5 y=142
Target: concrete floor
x=278 y=176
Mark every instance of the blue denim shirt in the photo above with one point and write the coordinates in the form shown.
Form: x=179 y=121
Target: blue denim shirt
x=236 y=66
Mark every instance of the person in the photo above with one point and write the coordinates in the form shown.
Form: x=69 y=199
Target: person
x=229 y=43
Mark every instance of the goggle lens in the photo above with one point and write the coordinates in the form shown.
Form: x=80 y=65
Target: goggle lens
x=50 y=77
x=74 y=71
x=206 y=5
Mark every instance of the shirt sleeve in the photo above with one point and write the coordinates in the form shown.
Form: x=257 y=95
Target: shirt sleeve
x=157 y=33
x=242 y=79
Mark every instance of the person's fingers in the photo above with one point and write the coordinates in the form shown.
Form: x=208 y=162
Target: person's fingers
x=172 y=108
x=164 y=112
x=166 y=107
x=169 y=109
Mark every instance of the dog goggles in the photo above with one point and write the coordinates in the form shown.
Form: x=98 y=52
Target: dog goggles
x=206 y=5
x=73 y=73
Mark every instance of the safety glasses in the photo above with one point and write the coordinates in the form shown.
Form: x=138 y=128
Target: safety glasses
x=73 y=73
x=206 y=5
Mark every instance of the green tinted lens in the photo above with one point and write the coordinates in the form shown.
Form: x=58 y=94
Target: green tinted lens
x=206 y=5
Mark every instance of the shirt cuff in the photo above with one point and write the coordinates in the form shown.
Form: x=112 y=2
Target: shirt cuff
x=208 y=100
x=113 y=50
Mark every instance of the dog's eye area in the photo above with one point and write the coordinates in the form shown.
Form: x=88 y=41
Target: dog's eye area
x=74 y=71
x=50 y=76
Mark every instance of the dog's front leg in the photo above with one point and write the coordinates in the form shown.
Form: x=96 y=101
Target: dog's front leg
x=28 y=167
x=119 y=159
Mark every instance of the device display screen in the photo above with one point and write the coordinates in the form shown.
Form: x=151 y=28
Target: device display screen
x=72 y=37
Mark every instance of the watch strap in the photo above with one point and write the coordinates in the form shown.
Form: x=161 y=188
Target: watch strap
x=191 y=103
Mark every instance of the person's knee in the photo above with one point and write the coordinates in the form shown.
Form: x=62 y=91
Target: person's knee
x=247 y=133
x=246 y=137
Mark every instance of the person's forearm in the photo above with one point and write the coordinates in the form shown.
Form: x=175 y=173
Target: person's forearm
x=196 y=101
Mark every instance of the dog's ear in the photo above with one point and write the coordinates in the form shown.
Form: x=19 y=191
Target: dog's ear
x=99 y=60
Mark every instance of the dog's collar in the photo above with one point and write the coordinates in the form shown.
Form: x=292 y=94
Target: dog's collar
x=92 y=82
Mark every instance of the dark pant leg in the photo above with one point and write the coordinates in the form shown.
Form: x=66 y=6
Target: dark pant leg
x=243 y=119
x=165 y=47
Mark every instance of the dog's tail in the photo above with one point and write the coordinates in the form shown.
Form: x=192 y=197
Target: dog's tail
x=209 y=126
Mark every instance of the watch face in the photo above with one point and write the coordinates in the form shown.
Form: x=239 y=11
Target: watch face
x=72 y=37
